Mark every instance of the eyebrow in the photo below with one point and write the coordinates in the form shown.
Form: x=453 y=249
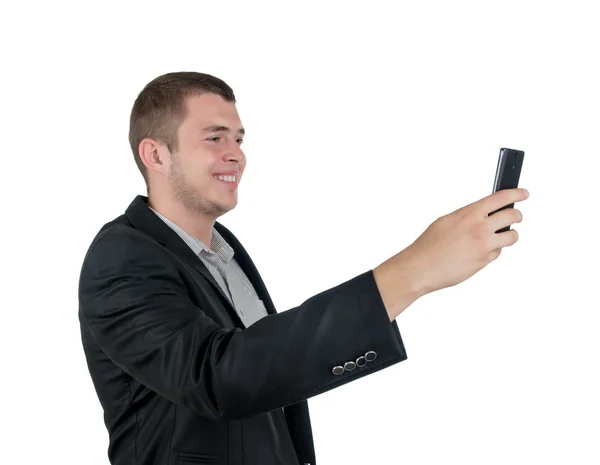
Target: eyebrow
x=217 y=128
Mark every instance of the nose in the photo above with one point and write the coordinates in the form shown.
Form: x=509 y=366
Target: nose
x=234 y=152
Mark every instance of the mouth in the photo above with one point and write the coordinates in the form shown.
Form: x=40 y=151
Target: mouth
x=229 y=181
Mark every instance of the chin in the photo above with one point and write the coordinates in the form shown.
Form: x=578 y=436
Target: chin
x=228 y=208
x=225 y=207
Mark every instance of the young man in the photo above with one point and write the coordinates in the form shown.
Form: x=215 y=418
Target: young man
x=190 y=360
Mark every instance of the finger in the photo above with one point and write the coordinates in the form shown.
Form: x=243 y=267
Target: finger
x=504 y=239
x=500 y=199
x=504 y=218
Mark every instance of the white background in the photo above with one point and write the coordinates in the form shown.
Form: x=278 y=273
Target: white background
x=365 y=122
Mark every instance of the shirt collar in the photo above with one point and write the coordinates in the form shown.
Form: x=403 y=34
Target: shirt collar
x=219 y=245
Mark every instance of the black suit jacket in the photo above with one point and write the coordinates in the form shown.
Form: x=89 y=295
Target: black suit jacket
x=180 y=379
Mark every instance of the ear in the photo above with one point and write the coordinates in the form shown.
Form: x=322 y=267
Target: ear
x=154 y=155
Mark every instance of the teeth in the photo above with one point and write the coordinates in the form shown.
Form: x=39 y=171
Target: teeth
x=226 y=178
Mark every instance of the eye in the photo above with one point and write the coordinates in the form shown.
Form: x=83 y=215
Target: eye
x=240 y=141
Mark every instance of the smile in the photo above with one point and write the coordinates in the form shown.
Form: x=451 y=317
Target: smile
x=227 y=180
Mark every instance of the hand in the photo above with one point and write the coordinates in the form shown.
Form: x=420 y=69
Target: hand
x=457 y=245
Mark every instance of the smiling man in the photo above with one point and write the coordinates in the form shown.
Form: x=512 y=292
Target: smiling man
x=190 y=360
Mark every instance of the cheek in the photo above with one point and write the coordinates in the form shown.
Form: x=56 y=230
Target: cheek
x=242 y=165
x=198 y=165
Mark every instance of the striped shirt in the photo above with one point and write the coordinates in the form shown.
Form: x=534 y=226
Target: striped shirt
x=226 y=271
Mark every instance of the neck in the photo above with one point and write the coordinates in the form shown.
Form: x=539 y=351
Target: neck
x=191 y=221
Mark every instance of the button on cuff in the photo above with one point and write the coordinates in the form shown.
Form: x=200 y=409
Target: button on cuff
x=338 y=370
x=349 y=366
x=361 y=361
x=370 y=356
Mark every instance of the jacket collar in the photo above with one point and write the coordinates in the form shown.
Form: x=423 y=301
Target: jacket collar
x=144 y=219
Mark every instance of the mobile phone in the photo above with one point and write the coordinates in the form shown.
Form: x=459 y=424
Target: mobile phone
x=508 y=172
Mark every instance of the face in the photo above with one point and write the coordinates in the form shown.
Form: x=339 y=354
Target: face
x=209 y=143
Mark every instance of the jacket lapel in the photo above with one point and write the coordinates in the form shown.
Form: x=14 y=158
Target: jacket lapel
x=143 y=219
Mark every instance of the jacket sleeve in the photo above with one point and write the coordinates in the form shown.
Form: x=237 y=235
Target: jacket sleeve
x=135 y=304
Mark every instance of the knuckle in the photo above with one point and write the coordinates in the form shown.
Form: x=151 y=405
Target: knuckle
x=438 y=223
x=494 y=254
x=442 y=219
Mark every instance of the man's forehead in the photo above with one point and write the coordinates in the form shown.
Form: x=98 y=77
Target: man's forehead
x=213 y=114
x=223 y=128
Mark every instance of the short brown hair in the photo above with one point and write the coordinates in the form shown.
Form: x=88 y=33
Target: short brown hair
x=160 y=108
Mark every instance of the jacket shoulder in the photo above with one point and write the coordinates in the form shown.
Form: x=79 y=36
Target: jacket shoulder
x=118 y=239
